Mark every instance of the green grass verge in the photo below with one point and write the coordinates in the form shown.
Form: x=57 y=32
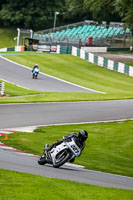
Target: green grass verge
x=14 y=90
x=81 y=72
x=22 y=186
x=7 y=37
x=120 y=52
x=108 y=148
x=22 y=95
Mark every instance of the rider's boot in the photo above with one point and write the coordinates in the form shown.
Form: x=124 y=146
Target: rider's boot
x=72 y=160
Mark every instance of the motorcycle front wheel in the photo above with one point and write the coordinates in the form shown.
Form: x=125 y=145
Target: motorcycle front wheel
x=42 y=160
x=61 y=158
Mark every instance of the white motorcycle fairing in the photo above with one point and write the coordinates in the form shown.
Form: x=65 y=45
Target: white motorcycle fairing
x=71 y=146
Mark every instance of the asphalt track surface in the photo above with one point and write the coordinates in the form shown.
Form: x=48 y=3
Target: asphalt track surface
x=18 y=115
x=22 y=76
x=24 y=163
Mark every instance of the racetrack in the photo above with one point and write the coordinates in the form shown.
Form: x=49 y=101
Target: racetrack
x=18 y=115
x=28 y=164
x=22 y=76
x=117 y=57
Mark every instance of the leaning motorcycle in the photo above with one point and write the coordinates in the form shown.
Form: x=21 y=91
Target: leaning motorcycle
x=62 y=153
x=35 y=73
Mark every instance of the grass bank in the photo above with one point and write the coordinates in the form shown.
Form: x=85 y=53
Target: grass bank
x=121 y=52
x=7 y=37
x=22 y=186
x=14 y=90
x=108 y=148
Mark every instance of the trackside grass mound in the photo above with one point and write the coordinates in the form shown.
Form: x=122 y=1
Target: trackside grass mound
x=15 y=185
x=7 y=37
x=81 y=72
x=14 y=90
x=108 y=147
x=22 y=95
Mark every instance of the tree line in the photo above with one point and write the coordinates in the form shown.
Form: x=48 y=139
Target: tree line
x=39 y=14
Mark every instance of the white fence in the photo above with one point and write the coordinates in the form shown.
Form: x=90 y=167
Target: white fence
x=2 y=85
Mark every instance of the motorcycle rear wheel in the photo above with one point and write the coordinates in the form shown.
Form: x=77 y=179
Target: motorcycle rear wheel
x=62 y=159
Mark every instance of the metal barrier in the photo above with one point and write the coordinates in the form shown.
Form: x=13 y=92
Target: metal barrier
x=2 y=88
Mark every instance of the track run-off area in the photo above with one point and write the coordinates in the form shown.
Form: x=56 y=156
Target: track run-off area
x=13 y=116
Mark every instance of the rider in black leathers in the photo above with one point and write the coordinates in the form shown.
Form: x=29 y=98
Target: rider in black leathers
x=79 y=140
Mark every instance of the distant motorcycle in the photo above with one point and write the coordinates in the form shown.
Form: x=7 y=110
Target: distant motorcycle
x=35 y=73
x=62 y=153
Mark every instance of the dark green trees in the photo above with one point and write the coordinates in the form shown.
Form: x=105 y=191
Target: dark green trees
x=39 y=14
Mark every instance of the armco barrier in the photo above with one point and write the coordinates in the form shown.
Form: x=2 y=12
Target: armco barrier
x=65 y=50
x=16 y=49
x=105 y=49
x=103 y=62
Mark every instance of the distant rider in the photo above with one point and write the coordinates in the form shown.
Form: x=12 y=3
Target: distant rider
x=79 y=140
x=35 y=69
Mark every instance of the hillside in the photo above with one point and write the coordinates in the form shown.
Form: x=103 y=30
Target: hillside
x=7 y=37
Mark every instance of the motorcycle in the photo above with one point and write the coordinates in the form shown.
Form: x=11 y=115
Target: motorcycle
x=35 y=73
x=62 y=153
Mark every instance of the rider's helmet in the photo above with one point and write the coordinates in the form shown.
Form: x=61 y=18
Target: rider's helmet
x=83 y=135
x=36 y=65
